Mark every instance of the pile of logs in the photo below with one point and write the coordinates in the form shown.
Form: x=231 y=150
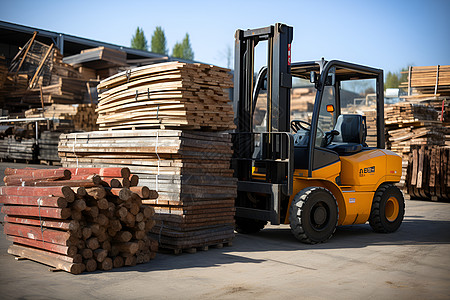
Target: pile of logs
x=167 y=95
x=429 y=173
x=77 y=220
x=190 y=170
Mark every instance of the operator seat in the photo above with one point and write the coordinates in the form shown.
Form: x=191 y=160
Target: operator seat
x=352 y=134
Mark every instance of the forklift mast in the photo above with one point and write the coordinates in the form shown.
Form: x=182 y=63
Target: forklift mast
x=276 y=143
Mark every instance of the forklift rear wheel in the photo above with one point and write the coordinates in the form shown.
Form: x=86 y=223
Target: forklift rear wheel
x=244 y=225
x=313 y=215
x=388 y=209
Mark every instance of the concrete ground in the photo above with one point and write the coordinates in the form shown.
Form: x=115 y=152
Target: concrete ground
x=413 y=263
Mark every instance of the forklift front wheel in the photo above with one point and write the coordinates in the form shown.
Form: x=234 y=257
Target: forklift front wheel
x=313 y=215
x=388 y=209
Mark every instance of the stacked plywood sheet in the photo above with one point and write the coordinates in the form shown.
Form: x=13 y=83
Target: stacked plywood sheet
x=168 y=95
x=189 y=169
x=74 y=221
x=429 y=173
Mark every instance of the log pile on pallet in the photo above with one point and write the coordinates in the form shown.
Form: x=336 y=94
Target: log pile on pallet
x=429 y=173
x=74 y=220
x=167 y=95
x=409 y=124
x=189 y=169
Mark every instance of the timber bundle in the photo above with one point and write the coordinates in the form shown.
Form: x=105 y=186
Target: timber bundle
x=429 y=173
x=78 y=220
x=430 y=85
x=190 y=170
x=167 y=95
x=78 y=117
x=409 y=124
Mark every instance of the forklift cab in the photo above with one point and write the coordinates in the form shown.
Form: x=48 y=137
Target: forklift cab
x=332 y=132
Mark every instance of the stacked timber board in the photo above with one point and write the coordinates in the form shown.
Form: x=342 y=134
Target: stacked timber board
x=73 y=220
x=190 y=170
x=67 y=117
x=409 y=124
x=429 y=173
x=18 y=149
x=167 y=95
x=48 y=147
x=428 y=80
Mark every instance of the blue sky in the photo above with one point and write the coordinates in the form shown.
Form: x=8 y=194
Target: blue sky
x=383 y=34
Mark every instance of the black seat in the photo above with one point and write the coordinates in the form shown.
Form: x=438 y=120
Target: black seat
x=352 y=134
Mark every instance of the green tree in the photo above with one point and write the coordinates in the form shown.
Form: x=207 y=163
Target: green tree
x=183 y=50
x=393 y=80
x=138 y=41
x=159 y=41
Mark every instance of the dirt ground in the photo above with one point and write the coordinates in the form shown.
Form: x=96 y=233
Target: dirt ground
x=413 y=263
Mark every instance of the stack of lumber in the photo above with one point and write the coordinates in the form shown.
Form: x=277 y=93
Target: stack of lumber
x=407 y=113
x=73 y=220
x=409 y=124
x=429 y=173
x=371 y=122
x=167 y=95
x=12 y=148
x=48 y=147
x=431 y=85
x=428 y=80
x=37 y=76
x=190 y=170
x=76 y=117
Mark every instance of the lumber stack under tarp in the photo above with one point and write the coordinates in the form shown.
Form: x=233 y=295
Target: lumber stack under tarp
x=409 y=124
x=190 y=170
x=167 y=95
x=429 y=173
x=74 y=220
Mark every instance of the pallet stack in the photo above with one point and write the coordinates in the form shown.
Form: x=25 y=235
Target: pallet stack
x=167 y=95
x=429 y=173
x=73 y=220
x=189 y=169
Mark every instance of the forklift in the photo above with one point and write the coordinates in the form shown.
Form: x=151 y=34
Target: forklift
x=313 y=175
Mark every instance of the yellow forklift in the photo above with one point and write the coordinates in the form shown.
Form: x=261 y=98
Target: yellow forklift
x=313 y=175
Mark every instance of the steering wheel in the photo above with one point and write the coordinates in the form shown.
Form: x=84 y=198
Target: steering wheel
x=297 y=124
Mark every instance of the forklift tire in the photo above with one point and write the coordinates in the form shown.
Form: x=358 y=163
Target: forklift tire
x=313 y=215
x=388 y=209
x=247 y=226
